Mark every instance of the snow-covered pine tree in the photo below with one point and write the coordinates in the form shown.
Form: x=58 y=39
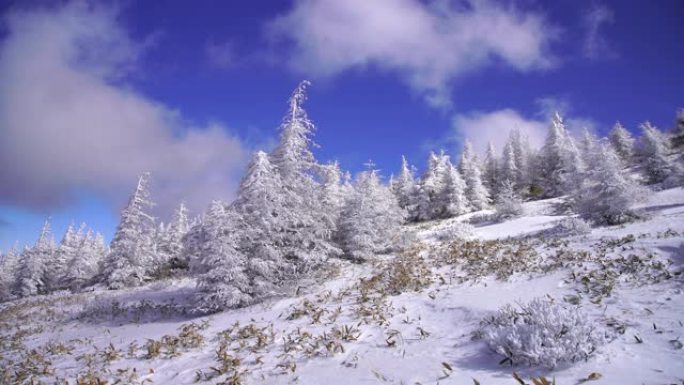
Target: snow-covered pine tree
x=522 y=154
x=170 y=241
x=572 y=165
x=200 y=241
x=491 y=170
x=678 y=131
x=179 y=226
x=622 y=142
x=307 y=240
x=9 y=266
x=131 y=252
x=588 y=148
x=405 y=188
x=431 y=187
x=161 y=256
x=100 y=249
x=33 y=264
x=222 y=281
x=264 y=219
x=657 y=165
x=452 y=199
x=66 y=251
x=84 y=264
x=551 y=156
x=334 y=189
x=509 y=168
x=508 y=203
x=370 y=219
x=560 y=162
x=193 y=242
x=476 y=193
x=607 y=195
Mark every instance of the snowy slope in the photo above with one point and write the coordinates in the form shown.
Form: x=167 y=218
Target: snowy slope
x=348 y=329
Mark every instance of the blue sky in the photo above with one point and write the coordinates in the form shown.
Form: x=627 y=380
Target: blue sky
x=91 y=94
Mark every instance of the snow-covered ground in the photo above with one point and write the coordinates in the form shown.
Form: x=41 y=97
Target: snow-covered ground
x=415 y=322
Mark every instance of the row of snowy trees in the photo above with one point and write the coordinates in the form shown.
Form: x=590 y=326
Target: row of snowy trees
x=139 y=251
x=47 y=266
x=598 y=175
x=292 y=213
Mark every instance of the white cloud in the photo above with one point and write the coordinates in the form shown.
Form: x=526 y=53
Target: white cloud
x=595 y=45
x=427 y=44
x=480 y=128
x=69 y=121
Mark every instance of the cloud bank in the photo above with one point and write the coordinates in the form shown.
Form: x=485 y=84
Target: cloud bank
x=481 y=128
x=69 y=121
x=428 y=44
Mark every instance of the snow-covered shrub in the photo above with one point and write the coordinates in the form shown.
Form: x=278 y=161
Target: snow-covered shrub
x=542 y=332
x=402 y=239
x=482 y=218
x=508 y=203
x=571 y=226
x=453 y=231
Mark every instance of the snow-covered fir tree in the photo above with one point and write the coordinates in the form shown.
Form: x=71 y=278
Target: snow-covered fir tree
x=265 y=219
x=132 y=253
x=622 y=142
x=551 y=157
x=431 y=187
x=559 y=163
x=84 y=264
x=588 y=148
x=452 y=199
x=68 y=248
x=405 y=189
x=522 y=153
x=607 y=195
x=222 y=280
x=490 y=174
x=335 y=188
x=307 y=241
x=573 y=165
x=169 y=244
x=204 y=234
x=678 y=131
x=476 y=193
x=9 y=266
x=654 y=151
x=509 y=169
x=370 y=219
x=193 y=241
x=33 y=264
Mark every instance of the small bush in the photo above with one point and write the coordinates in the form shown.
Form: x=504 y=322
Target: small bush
x=453 y=231
x=482 y=219
x=508 y=209
x=571 y=226
x=508 y=203
x=542 y=333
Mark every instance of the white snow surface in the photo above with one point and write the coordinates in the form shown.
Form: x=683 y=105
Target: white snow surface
x=433 y=328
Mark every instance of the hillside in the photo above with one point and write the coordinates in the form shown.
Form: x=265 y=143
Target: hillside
x=404 y=319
